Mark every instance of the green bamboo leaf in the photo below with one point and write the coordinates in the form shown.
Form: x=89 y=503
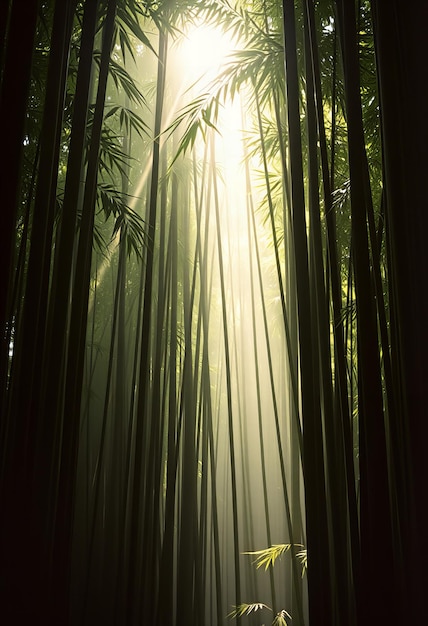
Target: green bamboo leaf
x=303 y=556
x=134 y=26
x=129 y=119
x=268 y=556
x=280 y=620
x=111 y=112
x=125 y=44
x=123 y=80
x=247 y=609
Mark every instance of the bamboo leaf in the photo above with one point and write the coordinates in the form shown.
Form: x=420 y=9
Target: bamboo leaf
x=134 y=26
x=303 y=556
x=247 y=609
x=123 y=80
x=280 y=620
x=268 y=556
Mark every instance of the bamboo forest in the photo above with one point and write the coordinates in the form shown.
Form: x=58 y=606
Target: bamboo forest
x=213 y=312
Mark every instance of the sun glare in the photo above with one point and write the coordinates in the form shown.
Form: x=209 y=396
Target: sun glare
x=201 y=56
x=204 y=51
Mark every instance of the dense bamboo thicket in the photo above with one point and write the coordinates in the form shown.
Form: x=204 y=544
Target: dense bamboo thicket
x=213 y=312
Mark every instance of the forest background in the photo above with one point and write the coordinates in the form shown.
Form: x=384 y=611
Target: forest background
x=213 y=312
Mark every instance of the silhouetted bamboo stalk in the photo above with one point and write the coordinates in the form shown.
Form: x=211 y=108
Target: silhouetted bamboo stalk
x=399 y=44
x=341 y=599
x=342 y=419
x=17 y=54
x=142 y=427
x=204 y=308
x=250 y=214
x=375 y=501
x=16 y=305
x=313 y=458
x=228 y=387
x=101 y=465
x=166 y=606
x=289 y=349
x=152 y=519
x=120 y=403
x=187 y=583
x=77 y=336
x=27 y=434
